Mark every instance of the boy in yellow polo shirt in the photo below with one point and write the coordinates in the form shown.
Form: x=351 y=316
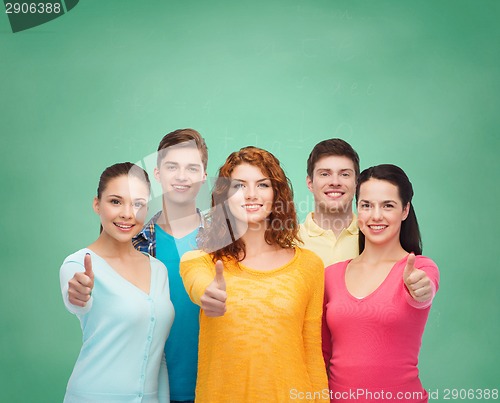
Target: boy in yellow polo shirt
x=331 y=230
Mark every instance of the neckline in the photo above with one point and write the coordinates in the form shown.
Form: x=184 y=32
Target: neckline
x=276 y=270
x=316 y=230
x=160 y=229
x=376 y=290
x=123 y=279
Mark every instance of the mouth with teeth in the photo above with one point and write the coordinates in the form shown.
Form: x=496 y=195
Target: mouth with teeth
x=334 y=194
x=377 y=228
x=252 y=207
x=180 y=188
x=124 y=227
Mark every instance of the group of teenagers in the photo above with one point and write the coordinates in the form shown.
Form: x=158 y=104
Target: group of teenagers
x=266 y=309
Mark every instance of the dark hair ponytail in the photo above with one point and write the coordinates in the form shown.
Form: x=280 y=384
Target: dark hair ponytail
x=409 y=236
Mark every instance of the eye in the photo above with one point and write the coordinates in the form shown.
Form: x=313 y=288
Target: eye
x=346 y=174
x=194 y=169
x=238 y=185
x=170 y=167
x=264 y=185
x=323 y=174
x=139 y=205
x=364 y=205
x=115 y=201
x=389 y=206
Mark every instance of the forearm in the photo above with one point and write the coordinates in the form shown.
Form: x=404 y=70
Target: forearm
x=196 y=277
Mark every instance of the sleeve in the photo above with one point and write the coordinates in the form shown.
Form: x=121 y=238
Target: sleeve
x=66 y=273
x=163 y=389
x=432 y=271
x=197 y=272
x=312 y=327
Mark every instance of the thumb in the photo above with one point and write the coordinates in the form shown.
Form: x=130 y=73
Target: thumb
x=219 y=275
x=410 y=266
x=87 y=263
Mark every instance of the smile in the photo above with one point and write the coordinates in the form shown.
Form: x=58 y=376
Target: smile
x=124 y=227
x=334 y=195
x=377 y=227
x=181 y=187
x=252 y=207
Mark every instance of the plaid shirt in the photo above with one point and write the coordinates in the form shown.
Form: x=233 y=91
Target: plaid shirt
x=145 y=241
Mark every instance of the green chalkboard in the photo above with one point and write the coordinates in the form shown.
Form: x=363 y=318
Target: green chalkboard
x=414 y=83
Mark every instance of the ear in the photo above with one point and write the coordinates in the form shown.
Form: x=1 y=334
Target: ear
x=95 y=205
x=309 y=183
x=406 y=211
x=156 y=174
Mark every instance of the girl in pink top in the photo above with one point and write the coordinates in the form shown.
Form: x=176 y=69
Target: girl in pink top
x=377 y=304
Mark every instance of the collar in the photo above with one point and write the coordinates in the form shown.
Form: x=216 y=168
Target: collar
x=148 y=230
x=314 y=229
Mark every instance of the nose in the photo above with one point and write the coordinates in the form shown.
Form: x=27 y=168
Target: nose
x=250 y=193
x=180 y=174
x=334 y=179
x=377 y=213
x=127 y=210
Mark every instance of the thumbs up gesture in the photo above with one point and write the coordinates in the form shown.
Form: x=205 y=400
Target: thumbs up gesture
x=417 y=282
x=81 y=285
x=213 y=301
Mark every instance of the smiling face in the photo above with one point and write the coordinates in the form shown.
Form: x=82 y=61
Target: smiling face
x=333 y=184
x=181 y=174
x=122 y=207
x=251 y=195
x=380 y=212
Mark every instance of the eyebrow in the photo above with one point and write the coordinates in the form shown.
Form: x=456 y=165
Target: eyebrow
x=260 y=180
x=330 y=170
x=383 y=201
x=176 y=163
x=119 y=197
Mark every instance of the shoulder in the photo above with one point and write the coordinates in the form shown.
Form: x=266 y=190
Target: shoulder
x=309 y=257
x=155 y=263
x=148 y=231
x=310 y=265
x=77 y=256
x=195 y=255
x=305 y=226
x=336 y=267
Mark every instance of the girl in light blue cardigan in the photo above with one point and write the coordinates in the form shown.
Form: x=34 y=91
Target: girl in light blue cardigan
x=121 y=297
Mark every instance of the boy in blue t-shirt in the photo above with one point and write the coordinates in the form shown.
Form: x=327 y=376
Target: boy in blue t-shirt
x=181 y=170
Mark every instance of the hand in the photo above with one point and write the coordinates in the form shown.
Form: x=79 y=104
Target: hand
x=213 y=301
x=81 y=285
x=417 y=282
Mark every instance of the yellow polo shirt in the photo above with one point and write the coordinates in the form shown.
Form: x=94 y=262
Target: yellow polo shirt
x=326 y=245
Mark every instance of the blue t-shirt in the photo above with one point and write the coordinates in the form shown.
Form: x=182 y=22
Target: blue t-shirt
x=181 y=349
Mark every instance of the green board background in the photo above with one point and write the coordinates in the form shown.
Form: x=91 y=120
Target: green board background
x=415 y=83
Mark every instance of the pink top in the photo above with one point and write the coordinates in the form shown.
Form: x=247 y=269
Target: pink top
x=371 y=345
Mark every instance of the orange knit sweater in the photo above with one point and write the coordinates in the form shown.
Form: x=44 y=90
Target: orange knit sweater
x=267 y=346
